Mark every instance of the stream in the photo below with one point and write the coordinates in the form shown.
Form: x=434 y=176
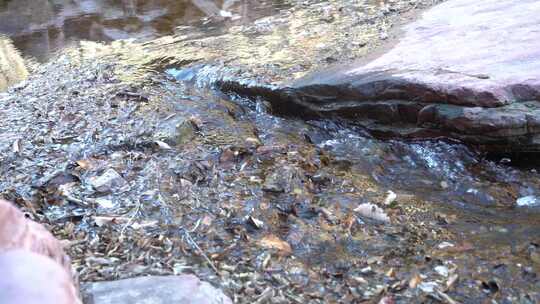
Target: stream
x=198 y=164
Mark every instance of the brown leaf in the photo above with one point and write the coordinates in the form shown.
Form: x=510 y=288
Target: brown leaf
x=273 y=242
x=415 y=280
x=90 y=164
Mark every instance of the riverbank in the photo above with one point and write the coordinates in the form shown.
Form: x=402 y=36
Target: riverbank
x=127 y=154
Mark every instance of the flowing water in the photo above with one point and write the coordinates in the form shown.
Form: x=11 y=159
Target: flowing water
x=493 y=203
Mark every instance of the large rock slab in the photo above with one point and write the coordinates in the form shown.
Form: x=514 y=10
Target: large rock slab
x=182 y=289
x=466 y=69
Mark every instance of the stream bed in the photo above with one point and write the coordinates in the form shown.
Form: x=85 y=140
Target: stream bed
x=170 y=175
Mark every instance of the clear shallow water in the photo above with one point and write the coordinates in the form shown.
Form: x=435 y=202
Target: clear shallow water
x=436 y=169
x=486 y=196
x=41 y=27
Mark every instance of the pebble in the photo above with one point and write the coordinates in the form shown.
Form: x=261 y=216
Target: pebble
x=442 y=270
x=109 y=180
x=528 y=201
x=445 y=245
x=428 y=287
x=105 y=203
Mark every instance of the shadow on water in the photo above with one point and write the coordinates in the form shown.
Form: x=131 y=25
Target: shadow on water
x=40 y=27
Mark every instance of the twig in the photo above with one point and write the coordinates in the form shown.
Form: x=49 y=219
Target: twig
x=446 y=297
x=131 y=218
x=70 y=198
x=201 y=252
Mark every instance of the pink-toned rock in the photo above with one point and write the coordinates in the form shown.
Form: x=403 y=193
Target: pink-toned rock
x=31 y=278
x=466 y=69
x=17 y=232
x=33 y=265
x=473 y=53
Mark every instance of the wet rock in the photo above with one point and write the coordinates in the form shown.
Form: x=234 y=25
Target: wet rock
x=428 y=287
x=282 y=180
x=108 y=181
x=452 y=74
x=177 y=131
x=442 y=270
x=154 y=290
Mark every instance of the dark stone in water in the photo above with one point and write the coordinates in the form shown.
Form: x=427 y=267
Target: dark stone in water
x=465 y=70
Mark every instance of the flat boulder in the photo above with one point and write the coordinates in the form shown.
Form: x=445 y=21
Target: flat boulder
x=154 y=290
x=469 y=70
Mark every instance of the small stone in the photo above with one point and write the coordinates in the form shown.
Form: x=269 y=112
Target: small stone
x=390 y=197
x=444 y=245
x=252 y=142
x=177 y=131
x=109 y=180
x=366 y=270
x=528 y=201
x=104 y=203
x=428 y=287
x=442 y=270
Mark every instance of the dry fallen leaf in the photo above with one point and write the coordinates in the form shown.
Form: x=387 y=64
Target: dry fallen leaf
x=206 y=220
x=415 y=280
x=104 y=220
x=451 y=281
x=273 y=242
x=90 y=164
x=162 y=145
